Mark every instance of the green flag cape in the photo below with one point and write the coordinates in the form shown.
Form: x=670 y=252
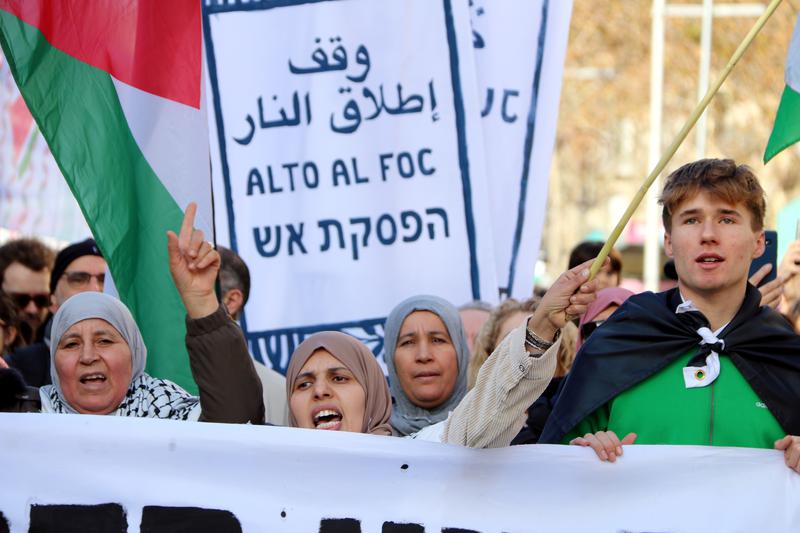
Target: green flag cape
x=786 y=131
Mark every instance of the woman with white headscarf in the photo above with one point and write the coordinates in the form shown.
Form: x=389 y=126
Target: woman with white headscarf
x=97 y=360
x=98 y=355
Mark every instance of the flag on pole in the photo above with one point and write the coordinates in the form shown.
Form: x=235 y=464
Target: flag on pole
x=115 y=87
x=786 y=131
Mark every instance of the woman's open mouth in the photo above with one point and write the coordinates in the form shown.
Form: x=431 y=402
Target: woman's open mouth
x=330 y=419
x=93 y=380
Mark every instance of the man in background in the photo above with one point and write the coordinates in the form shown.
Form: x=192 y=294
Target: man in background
x=25 y=266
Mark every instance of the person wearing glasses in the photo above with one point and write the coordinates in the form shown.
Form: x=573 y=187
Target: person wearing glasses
x=25 y=266
x=79 y=267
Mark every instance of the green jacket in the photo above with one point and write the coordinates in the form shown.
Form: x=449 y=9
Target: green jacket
x=661 y=410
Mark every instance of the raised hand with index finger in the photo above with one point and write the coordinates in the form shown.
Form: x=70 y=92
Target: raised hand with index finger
x=194 y=265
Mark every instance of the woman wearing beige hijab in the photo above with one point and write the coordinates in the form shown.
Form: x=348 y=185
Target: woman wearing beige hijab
x=334 y=383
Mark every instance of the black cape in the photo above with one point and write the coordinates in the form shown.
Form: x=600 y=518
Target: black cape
x=645 y=335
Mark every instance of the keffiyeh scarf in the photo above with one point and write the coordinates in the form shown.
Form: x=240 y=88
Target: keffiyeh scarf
x=147 y=397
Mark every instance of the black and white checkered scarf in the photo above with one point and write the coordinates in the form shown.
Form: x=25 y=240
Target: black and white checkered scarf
x=147 y=397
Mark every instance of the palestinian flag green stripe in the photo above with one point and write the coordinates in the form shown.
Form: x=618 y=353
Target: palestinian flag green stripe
x=786 y=131
x=78 y=111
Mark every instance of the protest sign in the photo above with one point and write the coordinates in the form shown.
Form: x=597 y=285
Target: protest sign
x=160 y=475
x=348 y=155
x=519 y=53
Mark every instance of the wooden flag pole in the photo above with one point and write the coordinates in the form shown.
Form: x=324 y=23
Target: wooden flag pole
x=693 y=118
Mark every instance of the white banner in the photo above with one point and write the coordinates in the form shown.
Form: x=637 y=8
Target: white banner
x=81 y=472
x=349 y=159
x=519 y=50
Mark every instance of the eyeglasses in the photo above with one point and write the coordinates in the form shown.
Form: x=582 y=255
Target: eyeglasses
x=588 y=328
x=78 y=279
x=22 y=300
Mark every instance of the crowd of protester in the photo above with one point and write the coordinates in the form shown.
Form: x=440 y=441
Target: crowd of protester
x=713 y=361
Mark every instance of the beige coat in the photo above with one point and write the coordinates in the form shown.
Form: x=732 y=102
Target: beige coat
x=494 y=411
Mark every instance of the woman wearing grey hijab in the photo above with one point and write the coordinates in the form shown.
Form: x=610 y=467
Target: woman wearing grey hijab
x=97 y=360
x=427 y=359
x=98 y=355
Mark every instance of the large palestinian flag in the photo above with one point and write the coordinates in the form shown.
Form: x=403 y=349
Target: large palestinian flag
x=786 y=131
x=115 y=87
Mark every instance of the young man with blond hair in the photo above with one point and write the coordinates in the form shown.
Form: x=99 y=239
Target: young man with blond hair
x=703 y=363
